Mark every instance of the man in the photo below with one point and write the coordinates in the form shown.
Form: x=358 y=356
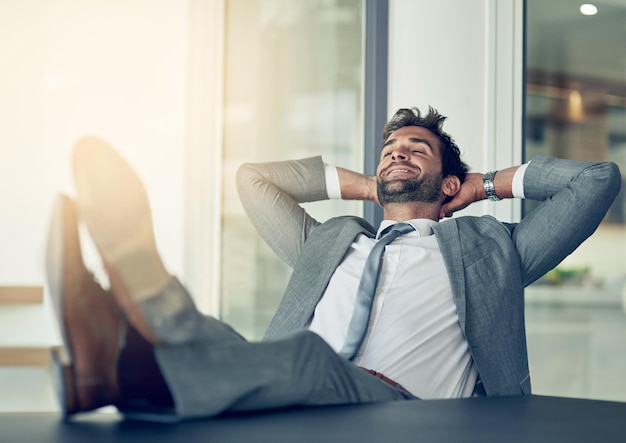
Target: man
x=446 y=320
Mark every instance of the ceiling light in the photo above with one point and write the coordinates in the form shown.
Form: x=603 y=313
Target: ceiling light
x=588 y=9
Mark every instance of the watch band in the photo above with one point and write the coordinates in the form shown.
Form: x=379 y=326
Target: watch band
x=490 y=190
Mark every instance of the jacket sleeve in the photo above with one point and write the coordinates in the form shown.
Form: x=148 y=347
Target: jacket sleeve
x=271 y=194
x=575 y=197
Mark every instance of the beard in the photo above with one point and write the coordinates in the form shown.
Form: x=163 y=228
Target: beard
x=426 y=188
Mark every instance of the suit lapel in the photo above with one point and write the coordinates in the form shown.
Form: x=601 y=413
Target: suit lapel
x=320 y=256
x=447 y=235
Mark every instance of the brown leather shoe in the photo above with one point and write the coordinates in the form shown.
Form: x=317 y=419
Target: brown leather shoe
x=114 y=205
x=91 y=329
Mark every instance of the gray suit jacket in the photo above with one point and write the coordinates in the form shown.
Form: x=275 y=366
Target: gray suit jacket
x=488 y=262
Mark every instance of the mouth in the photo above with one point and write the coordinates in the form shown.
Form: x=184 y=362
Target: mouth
x=398 y=170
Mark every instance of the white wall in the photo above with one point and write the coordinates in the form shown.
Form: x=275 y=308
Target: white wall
x=115 y=69
x=464 y=58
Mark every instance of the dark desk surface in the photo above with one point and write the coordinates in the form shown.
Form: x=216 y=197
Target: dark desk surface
x=505 y=419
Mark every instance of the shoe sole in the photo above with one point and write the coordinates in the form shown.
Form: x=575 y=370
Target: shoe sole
x=56 y=278
x=62 y=376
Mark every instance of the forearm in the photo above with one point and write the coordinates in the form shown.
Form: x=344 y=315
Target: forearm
x=547 y=176
x=302 y=180
x=356 y=186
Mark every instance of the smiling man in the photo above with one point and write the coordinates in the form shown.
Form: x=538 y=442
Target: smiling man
x=410 y=169
x=415 y=308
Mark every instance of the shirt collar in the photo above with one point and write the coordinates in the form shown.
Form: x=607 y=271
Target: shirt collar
x=423 y=226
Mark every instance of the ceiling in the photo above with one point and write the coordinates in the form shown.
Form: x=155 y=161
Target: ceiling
x=563 y=42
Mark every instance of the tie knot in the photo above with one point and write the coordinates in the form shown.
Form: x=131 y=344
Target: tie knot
x=403 y=228
x=397 y=229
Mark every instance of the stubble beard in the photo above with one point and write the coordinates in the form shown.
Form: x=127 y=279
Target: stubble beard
x=426 y=189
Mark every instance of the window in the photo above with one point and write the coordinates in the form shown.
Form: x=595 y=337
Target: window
x=576 y=108
x=293 y=88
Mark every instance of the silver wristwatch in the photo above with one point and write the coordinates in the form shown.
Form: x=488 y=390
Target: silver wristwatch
x=490 y=190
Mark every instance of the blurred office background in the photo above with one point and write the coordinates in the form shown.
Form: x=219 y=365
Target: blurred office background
x=188 y=91
x=576 y=108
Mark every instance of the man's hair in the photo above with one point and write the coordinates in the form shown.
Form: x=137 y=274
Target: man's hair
x=433 y=121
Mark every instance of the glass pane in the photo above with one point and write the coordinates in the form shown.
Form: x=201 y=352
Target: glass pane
x=293 y=89
x=576 y=108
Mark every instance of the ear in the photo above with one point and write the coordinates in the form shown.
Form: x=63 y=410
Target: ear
x=451 y=186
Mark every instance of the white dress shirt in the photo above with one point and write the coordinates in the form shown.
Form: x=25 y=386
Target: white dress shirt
x=414 y=335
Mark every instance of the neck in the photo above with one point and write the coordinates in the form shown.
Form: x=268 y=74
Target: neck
x=407 y=211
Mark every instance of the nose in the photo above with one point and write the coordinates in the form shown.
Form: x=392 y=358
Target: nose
x=399 y=154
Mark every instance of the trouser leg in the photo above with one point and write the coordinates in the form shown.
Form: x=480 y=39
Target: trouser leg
x=141 y=382
x=208 y=378
x=210 y=369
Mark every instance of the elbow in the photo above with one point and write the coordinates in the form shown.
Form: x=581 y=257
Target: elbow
x=613 y=179
x=245 y=177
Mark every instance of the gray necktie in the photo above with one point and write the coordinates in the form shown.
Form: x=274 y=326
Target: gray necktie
x=365 y=293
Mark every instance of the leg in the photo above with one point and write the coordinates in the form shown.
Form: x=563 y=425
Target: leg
x=208 y=366
x=216 y=370
x=207 y=379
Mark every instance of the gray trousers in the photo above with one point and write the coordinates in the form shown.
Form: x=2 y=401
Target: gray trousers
x=209 y=368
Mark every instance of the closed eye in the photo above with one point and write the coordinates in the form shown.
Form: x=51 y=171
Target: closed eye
x=424 y=145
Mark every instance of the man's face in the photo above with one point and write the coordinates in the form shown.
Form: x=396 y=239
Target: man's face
x=410 y=167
